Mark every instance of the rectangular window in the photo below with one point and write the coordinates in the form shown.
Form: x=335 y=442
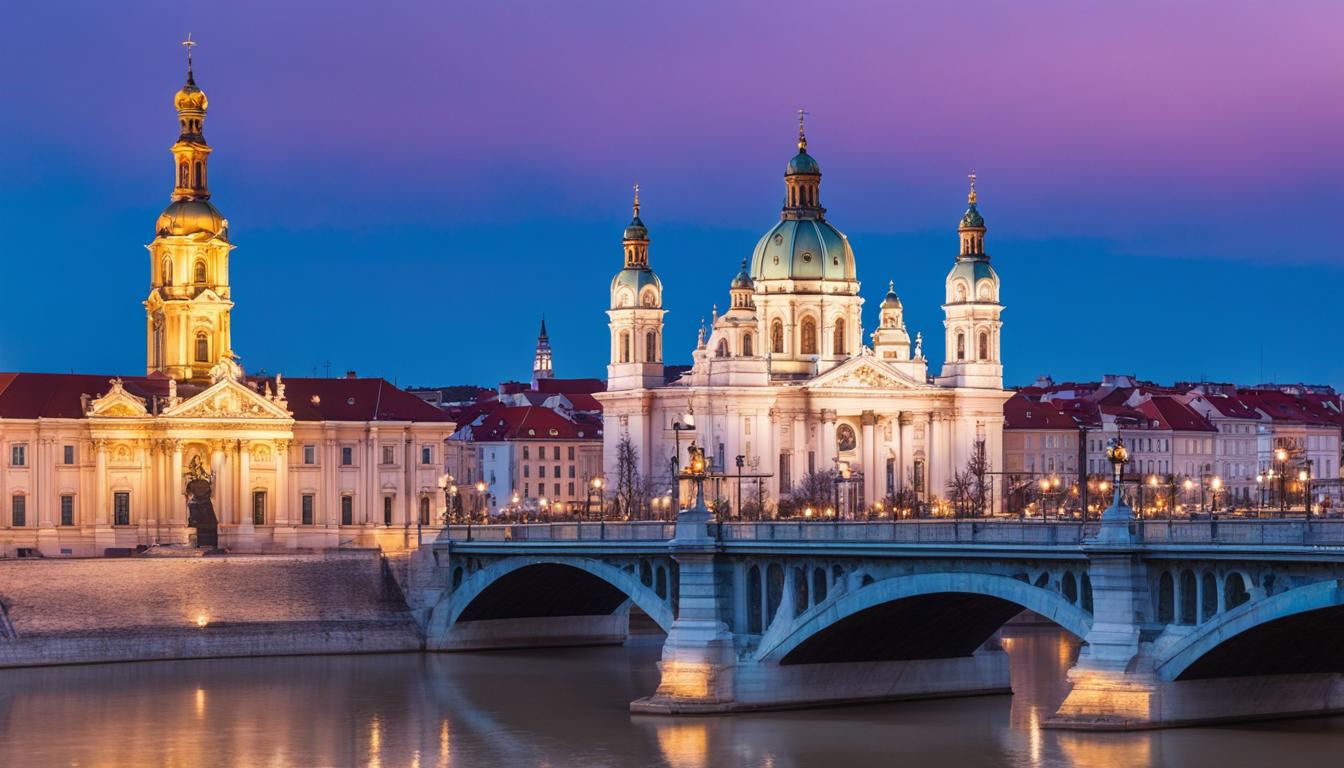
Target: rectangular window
x=426 y=455
x=527 y=471
x=67 y=510
x=919 y=475
x=389 y=454
x=785 y=472
x=555 y=454
x=258 y=507
x=68 y=455
x=527 y=489
x=347 y=456
x=557 y=471
x=571 y=453
x=121 y=508
x=571 y=489
x=347 y=510
x=424 y=510
x=811 y=462
x=306 y=505
x=310 y=454
x=18 y=454
x=557 y=490
x=541 y=470
x=571 y=470
x=526 y=453
x=387 y=510
x=19 y=511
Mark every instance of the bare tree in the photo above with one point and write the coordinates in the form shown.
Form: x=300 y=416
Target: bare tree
x=630 y=491
x=815 y=490
x=959 y=489
x=978 y=467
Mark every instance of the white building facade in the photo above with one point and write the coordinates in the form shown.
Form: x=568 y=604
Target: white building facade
x=784 y=379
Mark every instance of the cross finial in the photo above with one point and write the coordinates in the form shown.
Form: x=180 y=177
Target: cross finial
x=970 y=198
x=802 y=137
x=189 y=43
x=636 y=198
x=891 y=286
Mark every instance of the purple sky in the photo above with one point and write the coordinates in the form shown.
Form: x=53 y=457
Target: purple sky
x=411 y=184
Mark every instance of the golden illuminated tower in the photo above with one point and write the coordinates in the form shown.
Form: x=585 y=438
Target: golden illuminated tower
x=187 y=311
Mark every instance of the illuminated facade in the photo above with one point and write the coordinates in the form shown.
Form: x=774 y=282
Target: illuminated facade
x=784 y=379
x=92 y=462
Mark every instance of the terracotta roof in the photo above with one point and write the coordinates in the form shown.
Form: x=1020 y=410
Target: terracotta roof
x=1174 y=415
x=571 y=386
x=59 y=395
x=526 y=422
x=1289 y=409
x=1022 y=413
x=1231 y=407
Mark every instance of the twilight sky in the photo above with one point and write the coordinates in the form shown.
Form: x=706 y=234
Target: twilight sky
x=412 y=184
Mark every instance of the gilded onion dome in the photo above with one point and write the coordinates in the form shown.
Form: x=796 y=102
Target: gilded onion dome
x=192 y=217
x=191 y=97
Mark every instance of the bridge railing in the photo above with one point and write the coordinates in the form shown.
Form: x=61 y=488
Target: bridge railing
x=1254 y=532
x=567 y=531
x=910 y=532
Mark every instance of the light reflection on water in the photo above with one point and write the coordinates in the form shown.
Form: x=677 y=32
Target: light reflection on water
x=564 y=707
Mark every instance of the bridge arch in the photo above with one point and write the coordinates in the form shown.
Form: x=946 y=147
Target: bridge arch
x=519 y=571
x=989 y=599
x=1299 y=630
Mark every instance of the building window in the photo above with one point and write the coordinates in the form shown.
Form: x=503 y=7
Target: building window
x=202 y=348
x=571 y=453
x=387 y=510
x=68 y=454
x=777 y=337
x=785 y=472
x=557 y=489
x=961 y=346
x=258 y=507
x=347 y=456
x=984 y=345
x=839 y=337
x=310 y=454
x=347 y=510
x=625 y=347
x=121 y=508
x=389 y=455
x=541 y=470
x=426 y=455
x=67 y=510
x=651 y=347
x=526 y=453
x=571 y=489
x=571 y=470
x=424 y=510
x=18 y=455
x=306 y=507
x=722 y=350
x=19 y=511
x=527 y=470
x=746 y=345
x=199 y=277
x=809 y=340
x=555 y=453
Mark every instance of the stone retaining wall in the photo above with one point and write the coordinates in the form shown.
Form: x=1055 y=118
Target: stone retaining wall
x=72 y=611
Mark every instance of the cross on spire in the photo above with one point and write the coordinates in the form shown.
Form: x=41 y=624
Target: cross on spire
x=636 y=198
x=802 y=137
x=189 y=43
x=970 y=197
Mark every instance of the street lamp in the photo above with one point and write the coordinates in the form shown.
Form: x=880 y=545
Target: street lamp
x=601 y=508
x=1217 y=486
x=685 y=424
x=1304 y=478
x=1260 y=485
x=480 y=501
x=1281 y=459
x=1152 y=483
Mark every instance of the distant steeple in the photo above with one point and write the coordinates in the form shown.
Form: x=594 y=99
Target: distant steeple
x=541 y=362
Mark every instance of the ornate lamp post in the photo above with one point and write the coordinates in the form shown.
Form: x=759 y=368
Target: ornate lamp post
x=685 y=424
x=1118 y=456
x=1217 y=484
x=1260 y=485
x=1281 y=461
x=480 y=501
x=601 y=508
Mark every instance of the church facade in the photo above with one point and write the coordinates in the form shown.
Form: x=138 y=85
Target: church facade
x=196 y=450
x=784 y=386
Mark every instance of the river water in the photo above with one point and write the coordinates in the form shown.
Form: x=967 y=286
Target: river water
x=566 y=707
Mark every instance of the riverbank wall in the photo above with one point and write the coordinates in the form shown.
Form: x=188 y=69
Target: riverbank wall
x=76 y=611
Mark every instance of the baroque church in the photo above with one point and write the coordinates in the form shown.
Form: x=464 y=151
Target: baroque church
x=785 y=385
x=195 y=450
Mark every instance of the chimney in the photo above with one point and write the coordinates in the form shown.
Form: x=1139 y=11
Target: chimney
x=350 y=375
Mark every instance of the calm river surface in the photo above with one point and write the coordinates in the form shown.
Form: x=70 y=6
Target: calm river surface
x=564 y=707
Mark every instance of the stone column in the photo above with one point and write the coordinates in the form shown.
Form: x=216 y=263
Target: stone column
x=331 y=489
x=175 y=494
x=826 y=461
x=284 y=533
x=245 y=487
x=871 y=464
x=799 y=449
x=44 y=492
x=217 y=480
x=906 y=448
x=769 y=453
x=373 y=495
x=100 y=512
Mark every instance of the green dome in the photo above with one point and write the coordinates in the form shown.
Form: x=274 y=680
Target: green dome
x=891 y=300
x=972 y=218
x=972 y=271
x=636 y=230
x=803 y=249
x=635 y=280
x=801 y=164
x=743 y=280
x=192 y=217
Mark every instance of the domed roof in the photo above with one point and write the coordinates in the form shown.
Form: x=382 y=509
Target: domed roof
x=892 y=300
x=636 y=229
x=635 y=280
x=191 y=217
x=190 y=97
x=801 y=164
x=972 y=218
x=743 y=280
x=972 y=270
x=803 y=249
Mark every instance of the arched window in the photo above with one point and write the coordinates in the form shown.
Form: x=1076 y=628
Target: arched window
x=200 y=175
x=199 y=275
x=202 y=347
x=746 y=345
x=424 y=510
x=1166 y=598
x=839 y=335
x=984 y=345
x=651 y=347
x=777 y=337
x=722 y=349
x=625 y=347
x=183 y=175
x=961 y=345
x=809 y=340
x=167 y=270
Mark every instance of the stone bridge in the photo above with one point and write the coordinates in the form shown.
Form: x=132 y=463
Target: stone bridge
x=1181 y=622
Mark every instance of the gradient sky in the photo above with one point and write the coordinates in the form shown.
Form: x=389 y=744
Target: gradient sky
x=412 y=184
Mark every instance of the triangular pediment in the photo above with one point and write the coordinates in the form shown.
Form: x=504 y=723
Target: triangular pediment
x=864 y=372
x=227 y=399
x=118 y=403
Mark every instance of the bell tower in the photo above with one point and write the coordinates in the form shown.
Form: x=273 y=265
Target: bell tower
x=636 y=314
x=187 y=311
x=971 y=312
x=542 y=366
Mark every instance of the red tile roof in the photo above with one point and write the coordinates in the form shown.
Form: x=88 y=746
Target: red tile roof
x=1174 y=415
x=1021 y=413
x=526 y=422
x=571 y=386
x=60 y=395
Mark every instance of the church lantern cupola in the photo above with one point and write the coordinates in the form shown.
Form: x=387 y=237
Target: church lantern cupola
x=542 y=363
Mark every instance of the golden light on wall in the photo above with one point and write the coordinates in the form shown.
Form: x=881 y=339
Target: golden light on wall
x=685 y=679
x=202 y=620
